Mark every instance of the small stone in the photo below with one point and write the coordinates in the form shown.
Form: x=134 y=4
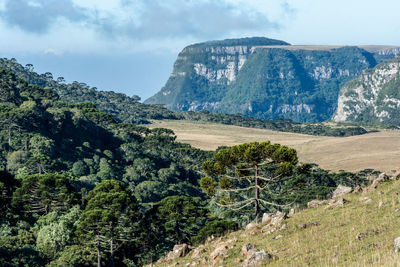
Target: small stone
x=283 y=227
x=291 y=212
x=313 y=224
x=277 y=237
x=315 y=203
x=381 y=203
x=302 y=225
x=397 y=244
x=397 y=210
x=365 y=199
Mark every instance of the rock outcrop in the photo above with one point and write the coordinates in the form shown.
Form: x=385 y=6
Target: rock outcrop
x=372 y=97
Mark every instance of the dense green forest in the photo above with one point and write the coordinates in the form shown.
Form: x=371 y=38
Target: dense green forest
x=129 y=110
x=77 y=186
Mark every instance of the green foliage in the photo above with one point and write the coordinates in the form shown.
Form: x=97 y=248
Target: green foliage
x=43 y=193
x=181 y=217
x=111 y=217
x=214 y=227
x=208 y=185
x=54 y=235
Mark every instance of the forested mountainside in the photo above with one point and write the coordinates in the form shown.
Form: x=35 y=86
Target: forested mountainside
x=374 y=97
x=129 y=110
x=76 y=186
x=268 y=83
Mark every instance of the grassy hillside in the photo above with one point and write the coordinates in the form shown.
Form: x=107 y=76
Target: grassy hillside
x=361 y=233
x=378 y=150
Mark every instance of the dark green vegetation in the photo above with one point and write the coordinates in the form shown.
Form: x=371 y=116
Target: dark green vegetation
x=127 y=109
x=78 y=187
x=269 y=83
x=244 y=173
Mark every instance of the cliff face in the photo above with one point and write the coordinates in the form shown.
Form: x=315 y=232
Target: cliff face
x=202 y=73
x=373 y=97
x=265 y=78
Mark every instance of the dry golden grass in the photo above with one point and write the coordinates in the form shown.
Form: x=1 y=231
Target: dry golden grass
x=379 y=151
x=333 y=242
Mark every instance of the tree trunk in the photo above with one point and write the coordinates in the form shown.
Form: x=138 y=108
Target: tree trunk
x=98 y=249
x=111 y=245
x=257 y=196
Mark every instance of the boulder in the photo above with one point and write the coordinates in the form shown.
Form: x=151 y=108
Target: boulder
x=336 y=203
x=278 y=218
x=256 y=258
x=396 y=176
x=178 y=251
x=315 y=203
x=381 y=178
x=266 y=218
x=221 y=250
x=250 y=226
x=246 y=248
x=397 y=245
x=357 y=189
x=341 y=190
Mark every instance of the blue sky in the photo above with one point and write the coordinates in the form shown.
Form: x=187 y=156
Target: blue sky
x=130 y=45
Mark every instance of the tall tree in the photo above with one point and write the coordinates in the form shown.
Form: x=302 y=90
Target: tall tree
x=110 y=218
x=43 y=193
x=244 y=171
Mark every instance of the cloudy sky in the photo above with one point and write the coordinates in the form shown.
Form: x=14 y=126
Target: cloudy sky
x=130 y=45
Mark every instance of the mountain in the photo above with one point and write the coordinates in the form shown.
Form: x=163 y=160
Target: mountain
x=266 y=81
x=374 y=97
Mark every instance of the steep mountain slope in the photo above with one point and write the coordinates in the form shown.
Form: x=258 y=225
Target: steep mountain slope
x=265 y=81
x=203 y=72
x=373 y=97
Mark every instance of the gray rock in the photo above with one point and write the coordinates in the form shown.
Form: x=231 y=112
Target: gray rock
x=341 y=190
x=246 y=248
x=397 y=245
x=178 y=251
x=256 y=258
x=266 y=218
x=315 y=203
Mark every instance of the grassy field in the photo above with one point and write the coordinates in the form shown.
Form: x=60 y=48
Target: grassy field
x=360 y=233
x=379 y=151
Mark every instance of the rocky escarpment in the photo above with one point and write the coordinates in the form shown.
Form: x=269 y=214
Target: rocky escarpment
x=372 y=97
x=202 y=73
x=265 y=78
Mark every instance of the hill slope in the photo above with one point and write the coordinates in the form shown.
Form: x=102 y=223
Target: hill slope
x=265 y=81
x=359 y=233
x=373 y=97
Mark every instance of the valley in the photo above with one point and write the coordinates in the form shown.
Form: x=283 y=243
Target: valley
x=378 y=150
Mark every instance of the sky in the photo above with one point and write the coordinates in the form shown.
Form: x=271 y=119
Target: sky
x=130 y=46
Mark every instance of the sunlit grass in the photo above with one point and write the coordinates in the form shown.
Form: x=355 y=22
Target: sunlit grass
x=334 y=241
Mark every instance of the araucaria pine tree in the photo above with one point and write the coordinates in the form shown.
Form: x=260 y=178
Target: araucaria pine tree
x=248 y=175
